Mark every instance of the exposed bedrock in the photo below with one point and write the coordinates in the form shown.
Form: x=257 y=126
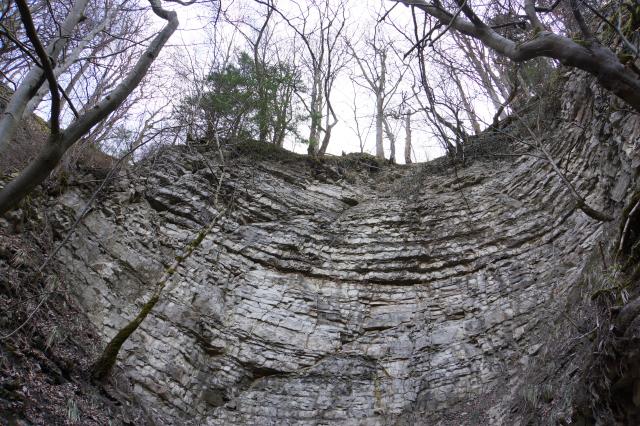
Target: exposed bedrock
x=378 y=299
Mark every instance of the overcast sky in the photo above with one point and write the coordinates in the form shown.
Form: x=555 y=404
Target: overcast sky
x=192 y=41
x=195 y=23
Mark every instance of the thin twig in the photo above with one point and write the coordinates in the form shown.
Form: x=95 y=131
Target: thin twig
x=45 y=60
x=615 y=28
x=69 y=234
x=35 y=60
x=453 y=19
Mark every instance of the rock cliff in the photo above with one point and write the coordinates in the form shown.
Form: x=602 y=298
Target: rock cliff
x=340 y=293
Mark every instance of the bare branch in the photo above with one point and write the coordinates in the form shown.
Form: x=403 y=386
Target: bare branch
x=584 y=28
x=616 y=28
x=46 y=63
x=530 y=10
x=598 y=60
x=38 y=170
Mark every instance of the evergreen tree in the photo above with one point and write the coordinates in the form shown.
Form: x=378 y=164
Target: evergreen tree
x=238 y=104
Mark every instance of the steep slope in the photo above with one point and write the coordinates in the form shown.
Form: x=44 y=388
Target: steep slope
x=333 y=296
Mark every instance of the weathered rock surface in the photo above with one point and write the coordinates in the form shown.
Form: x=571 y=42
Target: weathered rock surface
x=394 y=297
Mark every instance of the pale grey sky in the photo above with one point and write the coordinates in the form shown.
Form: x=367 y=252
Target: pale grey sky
x=362 y=18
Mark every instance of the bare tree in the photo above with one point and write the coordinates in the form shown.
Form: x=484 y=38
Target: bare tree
x=192 y=73
x=442 y=114
x=59 y=140
x=374 y=70
x=284 y=111
x=536 y=39
x=356 y=127
x=73 y=55
x=273 y=118
x=42 y=71
x=258 y=45
x=320 y=25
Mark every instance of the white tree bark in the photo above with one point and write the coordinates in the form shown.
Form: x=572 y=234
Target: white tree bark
x=375 y=76
x=315 y=111
x=38 y=170
x=70 y=59
x=407 y=138
x=374 y=70
x=34 y=79
x=379 y=120
x=392 y=141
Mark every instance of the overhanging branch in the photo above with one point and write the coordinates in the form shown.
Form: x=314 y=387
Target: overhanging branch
x=46 y=63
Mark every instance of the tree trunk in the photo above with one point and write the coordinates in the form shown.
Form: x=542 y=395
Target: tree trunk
x=379 y=120
x=279 y=140
x=392 y=141
x=316 y=115
x=38 y=170
x=327 y=134
x=331 y=114
x=325 y=140
x=35 y=78
x=407 y=140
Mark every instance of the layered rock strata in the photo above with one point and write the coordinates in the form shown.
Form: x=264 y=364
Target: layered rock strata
x=330 y=296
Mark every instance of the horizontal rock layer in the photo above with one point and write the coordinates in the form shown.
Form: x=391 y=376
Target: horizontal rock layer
x=327 y=296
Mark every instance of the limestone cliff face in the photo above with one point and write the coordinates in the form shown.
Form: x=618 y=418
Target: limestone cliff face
x=380 y=297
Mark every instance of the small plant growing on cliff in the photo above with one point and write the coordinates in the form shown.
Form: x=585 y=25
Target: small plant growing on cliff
x=73 y=414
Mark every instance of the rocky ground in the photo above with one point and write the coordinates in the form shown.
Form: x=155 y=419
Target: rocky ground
x=47 y=343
